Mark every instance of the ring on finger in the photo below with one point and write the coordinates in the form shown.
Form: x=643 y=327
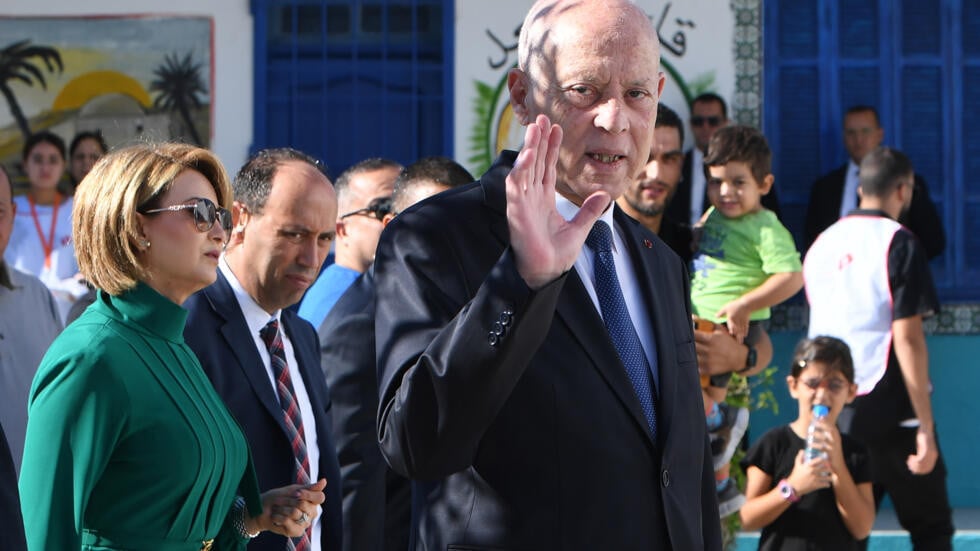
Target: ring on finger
x=303 y=517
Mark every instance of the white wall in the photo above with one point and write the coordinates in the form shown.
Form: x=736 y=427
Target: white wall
x=232 y=129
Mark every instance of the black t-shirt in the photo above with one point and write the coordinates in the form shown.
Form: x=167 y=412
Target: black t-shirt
x=876 y=415
x=814 y=523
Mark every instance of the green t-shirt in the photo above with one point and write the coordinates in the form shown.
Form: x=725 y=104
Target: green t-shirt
x=736 y=255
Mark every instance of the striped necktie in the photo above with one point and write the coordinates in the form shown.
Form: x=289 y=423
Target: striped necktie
x=291 y=416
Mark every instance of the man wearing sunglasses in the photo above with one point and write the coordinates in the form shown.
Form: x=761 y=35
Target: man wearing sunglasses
x=364 y=198
x=377 y=502
x=263 y=359
x=708 y=113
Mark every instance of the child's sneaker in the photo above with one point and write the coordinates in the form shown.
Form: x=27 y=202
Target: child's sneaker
x=725 y=439
x=730 y=500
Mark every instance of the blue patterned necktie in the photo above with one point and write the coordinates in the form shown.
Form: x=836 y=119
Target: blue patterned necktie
x=618 y=323
x=291 y=416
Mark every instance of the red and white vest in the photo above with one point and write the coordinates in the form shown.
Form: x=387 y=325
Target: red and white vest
x=846 y=280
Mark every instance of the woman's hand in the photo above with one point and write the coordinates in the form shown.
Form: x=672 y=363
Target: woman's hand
x=288 y=511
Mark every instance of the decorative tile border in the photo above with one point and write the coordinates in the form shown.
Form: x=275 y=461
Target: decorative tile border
x=953 y=319
x=747 y=45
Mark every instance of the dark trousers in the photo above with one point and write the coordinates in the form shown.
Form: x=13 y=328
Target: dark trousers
x=921 y=501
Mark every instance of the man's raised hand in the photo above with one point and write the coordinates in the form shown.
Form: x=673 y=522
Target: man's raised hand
x=545 y=244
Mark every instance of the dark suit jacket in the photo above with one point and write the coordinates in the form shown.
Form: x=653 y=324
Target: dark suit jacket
x=217 y=332
x=511 y=409
x=10 y=517
x=921 y=218
x=679 y=207
x=377 y=502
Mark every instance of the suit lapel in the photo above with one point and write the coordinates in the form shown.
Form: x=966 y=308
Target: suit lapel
x=585 y=324
x=241 y=345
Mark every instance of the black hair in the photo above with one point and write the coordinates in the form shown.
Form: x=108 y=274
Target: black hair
x=253 y=182
x=710 y=97
x=830 y=351
x=668 y=117
x=882 y=170
x=740 y=143
x=856 y=109
x=44 y=137
x=87 y=135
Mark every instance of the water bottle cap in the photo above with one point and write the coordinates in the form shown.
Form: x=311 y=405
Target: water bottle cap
x=820 y=410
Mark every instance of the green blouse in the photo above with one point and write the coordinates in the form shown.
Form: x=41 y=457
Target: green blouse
x=128 y=445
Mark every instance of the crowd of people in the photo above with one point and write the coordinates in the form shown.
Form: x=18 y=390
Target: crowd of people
x=535 y=359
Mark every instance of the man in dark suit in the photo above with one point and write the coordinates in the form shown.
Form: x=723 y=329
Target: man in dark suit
x=709 y=112
x=263 y=359
x=835 y=194
x=377 y=502
x=538 y=396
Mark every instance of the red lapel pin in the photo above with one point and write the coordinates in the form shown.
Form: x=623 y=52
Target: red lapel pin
x=647 y=243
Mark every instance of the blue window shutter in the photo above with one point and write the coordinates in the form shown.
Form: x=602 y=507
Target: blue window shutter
x=345 y=80
x=798 y=29
x=971 y=27
x=921 y=115
x=921 y=27
x=858 y=36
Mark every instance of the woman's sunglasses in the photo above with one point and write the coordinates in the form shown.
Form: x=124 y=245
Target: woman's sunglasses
x=205 y=214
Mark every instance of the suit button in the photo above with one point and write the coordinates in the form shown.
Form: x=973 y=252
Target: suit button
x=665 y=478
x=498 y=328
x=506 y=317
x=493 y=338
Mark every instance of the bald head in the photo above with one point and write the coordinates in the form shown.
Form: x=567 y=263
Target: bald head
x=593 y=68
x=540 y=34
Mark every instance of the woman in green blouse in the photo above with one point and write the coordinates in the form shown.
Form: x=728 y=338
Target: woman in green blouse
x=128 y=445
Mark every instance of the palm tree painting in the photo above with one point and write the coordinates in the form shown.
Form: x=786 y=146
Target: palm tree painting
x=179 y=84
x=17 y=64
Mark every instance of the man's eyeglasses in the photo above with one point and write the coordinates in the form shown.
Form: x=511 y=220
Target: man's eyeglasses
x=713 y=120
x=377 y=209
x=832 y=385
x=205 y=214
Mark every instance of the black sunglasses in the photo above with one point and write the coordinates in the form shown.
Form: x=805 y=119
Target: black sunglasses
x=377 y=208
x=699 y=120
x=205 y=214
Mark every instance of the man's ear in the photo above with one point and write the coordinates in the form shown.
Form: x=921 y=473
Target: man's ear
x=239 y=216
x=519 y=88
x=341 y=228
x=387 y=219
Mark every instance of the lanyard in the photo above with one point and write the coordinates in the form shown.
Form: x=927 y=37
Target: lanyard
x=46 y=244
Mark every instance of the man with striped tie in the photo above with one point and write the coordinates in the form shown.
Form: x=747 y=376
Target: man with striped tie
x=264 y=360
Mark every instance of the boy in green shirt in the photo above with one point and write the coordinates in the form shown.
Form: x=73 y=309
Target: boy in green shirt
x=746 y=262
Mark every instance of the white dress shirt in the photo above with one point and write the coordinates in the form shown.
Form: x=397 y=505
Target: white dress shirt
x=848 y=201
x=256 y=318
x=635 y=304
x=698 y=184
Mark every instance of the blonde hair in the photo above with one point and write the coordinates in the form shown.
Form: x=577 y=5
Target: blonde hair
x=105 y=228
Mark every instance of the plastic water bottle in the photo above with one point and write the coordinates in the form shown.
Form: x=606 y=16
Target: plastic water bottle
x=813 y=450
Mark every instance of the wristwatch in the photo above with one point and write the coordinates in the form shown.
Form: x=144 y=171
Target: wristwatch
x=750 y=359
x=787 y=492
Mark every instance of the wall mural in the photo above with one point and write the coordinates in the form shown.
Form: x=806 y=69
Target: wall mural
x=132 y=78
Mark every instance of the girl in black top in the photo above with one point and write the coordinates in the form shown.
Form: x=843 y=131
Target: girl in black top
x=826 y=503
